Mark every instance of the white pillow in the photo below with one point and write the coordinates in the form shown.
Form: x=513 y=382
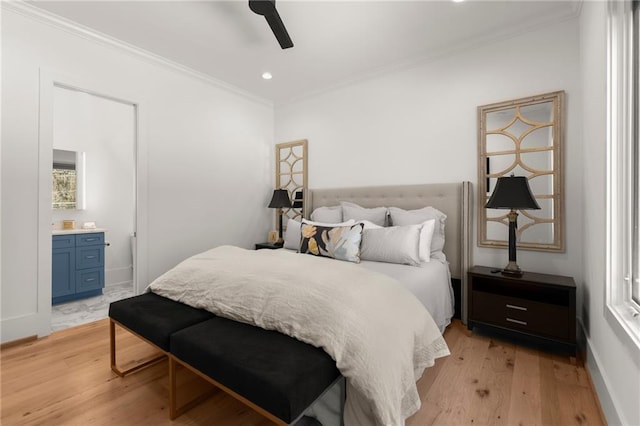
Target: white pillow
x=331 y=214
x=377 y=215
x=292 y=234
x=401 y=217
x=349 y=222
x=394 y=244
x=367 y=224
x=426 y=235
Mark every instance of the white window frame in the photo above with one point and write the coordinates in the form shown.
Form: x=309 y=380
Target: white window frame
x=622 y=207
x=635 y=290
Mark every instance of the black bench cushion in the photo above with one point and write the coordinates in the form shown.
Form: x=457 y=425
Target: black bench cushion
x=155 y=317
x=276 y=372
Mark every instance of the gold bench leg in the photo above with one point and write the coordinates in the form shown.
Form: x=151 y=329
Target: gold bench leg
x=174 y=410
x=172 y=389
x=112 y=352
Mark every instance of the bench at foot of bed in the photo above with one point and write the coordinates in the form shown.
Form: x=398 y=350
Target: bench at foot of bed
x=274 y=374
x=153 y=319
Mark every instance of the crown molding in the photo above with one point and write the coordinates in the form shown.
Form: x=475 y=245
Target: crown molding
x=434 y=55
x=46 y=17
x=69 y=26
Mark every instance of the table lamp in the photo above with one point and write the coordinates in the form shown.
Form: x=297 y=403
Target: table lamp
x=512 y=192
x=279 y=200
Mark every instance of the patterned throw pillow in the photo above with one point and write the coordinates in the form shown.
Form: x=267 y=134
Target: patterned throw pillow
x=338 y=242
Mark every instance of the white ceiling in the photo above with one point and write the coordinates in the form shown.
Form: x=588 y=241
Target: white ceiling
x=336 y=42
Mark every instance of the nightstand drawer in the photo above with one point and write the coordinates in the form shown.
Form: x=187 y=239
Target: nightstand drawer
x=529 y=316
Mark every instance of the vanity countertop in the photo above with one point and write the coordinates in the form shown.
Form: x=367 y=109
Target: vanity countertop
x=76 y=231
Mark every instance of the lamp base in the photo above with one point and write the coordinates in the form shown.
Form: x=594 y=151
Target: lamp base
x=512 y=270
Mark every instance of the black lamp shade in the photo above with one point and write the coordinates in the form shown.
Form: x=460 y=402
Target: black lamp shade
x=297 y=203
x=512 y=192
x=280 y=199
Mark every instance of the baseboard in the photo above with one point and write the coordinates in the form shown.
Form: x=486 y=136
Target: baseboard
x=599 y=384
x=130 y=283
x=603 y=418
x=18 y=342
x=115 y=276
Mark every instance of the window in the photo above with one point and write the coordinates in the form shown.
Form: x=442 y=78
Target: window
x=635 y=146
x=68 y=180
x=64 y=187
x=623 y=168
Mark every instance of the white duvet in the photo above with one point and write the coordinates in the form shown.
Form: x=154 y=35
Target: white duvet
x=381 y=337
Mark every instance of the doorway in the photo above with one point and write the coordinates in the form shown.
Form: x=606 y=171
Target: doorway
x=102 y=131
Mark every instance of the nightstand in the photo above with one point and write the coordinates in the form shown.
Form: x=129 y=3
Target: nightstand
x=539 y=306
x=270 y=246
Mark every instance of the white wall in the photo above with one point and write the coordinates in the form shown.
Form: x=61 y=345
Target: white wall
x=105 y=131
x=418 y=125
x=613 y=364
x=207 y=152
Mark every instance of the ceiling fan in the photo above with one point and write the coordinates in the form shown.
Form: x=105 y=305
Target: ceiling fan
x=267 y=8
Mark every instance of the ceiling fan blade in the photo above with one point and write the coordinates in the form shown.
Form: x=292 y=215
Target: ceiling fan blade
x=279 y=30
x=267 y=8
x=262 y=7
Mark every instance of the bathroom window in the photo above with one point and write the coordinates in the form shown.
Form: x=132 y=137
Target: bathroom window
x=68 y=180
x=65 y=181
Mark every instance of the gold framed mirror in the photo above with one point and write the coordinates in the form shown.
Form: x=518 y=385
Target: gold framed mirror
x=523 y=137
x=291 y=174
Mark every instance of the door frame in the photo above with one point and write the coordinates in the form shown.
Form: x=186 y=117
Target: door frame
x=48 y=81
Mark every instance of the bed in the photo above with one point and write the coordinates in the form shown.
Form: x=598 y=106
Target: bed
x=454 y=200
x=433 y=282
x=430 y=283
x=265 y=299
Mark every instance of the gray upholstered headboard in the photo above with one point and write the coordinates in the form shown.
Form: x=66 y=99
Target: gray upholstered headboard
x=453 y=199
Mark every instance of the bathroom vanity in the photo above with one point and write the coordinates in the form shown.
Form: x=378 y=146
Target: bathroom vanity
x=77 y=264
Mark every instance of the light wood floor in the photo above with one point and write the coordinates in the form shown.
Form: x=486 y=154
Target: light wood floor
x=65 y=379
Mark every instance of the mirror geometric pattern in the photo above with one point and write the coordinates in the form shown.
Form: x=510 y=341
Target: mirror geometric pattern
x=291 y=174
x=522 y=137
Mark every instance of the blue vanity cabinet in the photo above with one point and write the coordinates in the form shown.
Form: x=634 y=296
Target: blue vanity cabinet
x=63 y=271
x=77 y=266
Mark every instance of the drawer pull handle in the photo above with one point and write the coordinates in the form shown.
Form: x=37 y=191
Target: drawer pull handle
x=90 y=279
x=520 y=308
x=91 y=257
x=516 y=321
x=90 y=239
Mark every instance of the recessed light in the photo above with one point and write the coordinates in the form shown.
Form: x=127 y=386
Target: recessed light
x=267 y=75
x=457 y=1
